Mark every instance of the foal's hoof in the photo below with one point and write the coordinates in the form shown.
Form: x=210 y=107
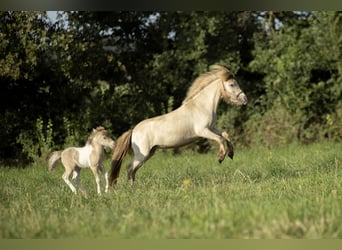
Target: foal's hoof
x=231 y=155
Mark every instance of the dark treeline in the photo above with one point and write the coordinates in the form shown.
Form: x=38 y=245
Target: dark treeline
x=59 y=79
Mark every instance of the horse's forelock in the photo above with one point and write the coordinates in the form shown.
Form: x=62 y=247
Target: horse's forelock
x=222 y=72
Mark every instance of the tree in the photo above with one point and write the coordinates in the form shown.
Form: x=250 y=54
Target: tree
x=302 y=72
x=22 y=41
x=59 y=80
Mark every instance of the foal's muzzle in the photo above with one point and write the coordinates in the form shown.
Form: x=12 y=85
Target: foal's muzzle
x=112 y=145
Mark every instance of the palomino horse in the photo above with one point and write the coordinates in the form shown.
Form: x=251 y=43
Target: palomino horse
x=89 y=156
x=195 y=118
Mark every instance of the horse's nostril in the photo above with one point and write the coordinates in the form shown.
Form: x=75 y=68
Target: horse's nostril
x=242 y=97
x=245 y=100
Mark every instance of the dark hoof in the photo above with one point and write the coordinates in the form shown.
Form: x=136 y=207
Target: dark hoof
x=231 y=155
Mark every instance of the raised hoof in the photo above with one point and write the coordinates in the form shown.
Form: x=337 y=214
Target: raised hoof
x=220 y=159
x=231 y=155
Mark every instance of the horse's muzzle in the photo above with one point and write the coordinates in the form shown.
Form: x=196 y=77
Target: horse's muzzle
x=242 y=98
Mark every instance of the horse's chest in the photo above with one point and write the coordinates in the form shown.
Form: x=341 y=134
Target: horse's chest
x=84 y=161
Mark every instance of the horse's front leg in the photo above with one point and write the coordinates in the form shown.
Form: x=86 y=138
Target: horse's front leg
x=215 y=136
x=228 y=141
x=229 y=144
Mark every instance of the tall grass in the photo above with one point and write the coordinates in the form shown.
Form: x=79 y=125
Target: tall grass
x=286 y=192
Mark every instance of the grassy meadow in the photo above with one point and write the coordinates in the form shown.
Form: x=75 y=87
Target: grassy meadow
x=285 y=192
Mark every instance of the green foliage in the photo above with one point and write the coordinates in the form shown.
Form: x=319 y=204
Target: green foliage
x=38 y=145
x=303 y=72
x=72 y=135
x=284 y=192
x=22 y=37
x=117 y=68
x=274 y=127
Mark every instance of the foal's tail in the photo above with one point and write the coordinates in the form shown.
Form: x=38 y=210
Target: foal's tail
x=123 y=144
x=53 y=158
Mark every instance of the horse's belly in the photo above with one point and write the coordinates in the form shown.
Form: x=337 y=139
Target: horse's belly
x=172 y=139
x=165 y=131
x=175 y=143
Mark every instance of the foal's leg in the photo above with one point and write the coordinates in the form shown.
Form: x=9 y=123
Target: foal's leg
x=105 y=174
x=69 y=165
x=76 y=178
x=95 y=169
x=208 y=134
x=65 y=177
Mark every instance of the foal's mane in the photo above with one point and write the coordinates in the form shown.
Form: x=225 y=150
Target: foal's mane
x=216 y=71
x=95 y=132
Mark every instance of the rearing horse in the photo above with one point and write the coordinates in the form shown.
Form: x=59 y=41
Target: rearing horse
x=195 y=118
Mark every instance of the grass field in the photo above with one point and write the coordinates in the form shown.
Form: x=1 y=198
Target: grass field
x=287 y=192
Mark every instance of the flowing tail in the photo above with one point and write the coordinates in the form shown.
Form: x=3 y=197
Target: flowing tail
x=53 y=158
x=122 y=147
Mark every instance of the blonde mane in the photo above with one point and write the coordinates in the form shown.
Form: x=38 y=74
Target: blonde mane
x=95 y=132
x=216 y=71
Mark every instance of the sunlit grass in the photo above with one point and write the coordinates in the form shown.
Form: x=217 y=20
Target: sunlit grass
x=287 y=192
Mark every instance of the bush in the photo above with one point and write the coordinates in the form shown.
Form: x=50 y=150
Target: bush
x=275 y=127
x=37 y=145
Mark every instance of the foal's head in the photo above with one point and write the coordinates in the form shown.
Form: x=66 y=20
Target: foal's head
x=101 y=136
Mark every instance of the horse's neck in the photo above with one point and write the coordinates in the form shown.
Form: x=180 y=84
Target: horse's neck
x=208 y=98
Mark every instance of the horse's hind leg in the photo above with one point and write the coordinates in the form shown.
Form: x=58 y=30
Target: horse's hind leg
x=132 y=169
x=140 y=156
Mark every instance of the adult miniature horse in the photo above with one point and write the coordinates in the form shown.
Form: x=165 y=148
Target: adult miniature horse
x=195 y=118
x=89 y=156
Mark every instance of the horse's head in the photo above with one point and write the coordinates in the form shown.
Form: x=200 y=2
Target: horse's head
x=231 y=91
x=101 y=136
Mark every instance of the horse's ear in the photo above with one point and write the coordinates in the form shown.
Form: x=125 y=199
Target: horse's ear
x=229 y=75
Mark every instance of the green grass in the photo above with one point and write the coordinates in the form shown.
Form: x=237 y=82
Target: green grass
x=287 y=192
